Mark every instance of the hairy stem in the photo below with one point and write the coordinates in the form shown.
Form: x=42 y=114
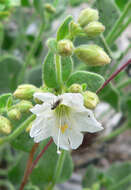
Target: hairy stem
x=18 y=131
x=29 y=163
x=114 y=75
x=58 y=70
x=40 y=155
x=58 y=170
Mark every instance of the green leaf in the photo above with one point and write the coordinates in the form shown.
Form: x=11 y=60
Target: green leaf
x=63 y=30
x=15 y=173
x=25 y=3
x=44 y=172
x=34 y=76
x=39 y=6
x=121 y=4
x=118 y=172
x=110 y=95
x=94 y=81
x=49 y=71
x=3 y=101
x=66 y=67
x=108 y=13
x=23 y=142
x=91 y=176
x=9 y=71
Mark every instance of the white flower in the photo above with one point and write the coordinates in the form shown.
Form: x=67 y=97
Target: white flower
x=64 y=118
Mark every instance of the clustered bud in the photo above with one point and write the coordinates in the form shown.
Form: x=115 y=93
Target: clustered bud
x=87 y=15
x=25 y=91
x=90 y=99
x=24 y=106
x=94 y=29
x=5 y=125
x=14 y=114
x=75 y=88
x=92 y=55
x=65 y=47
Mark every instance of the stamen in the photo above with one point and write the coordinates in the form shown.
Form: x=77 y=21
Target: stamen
x=58 y=142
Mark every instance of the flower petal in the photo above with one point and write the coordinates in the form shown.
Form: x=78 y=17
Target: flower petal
x=40 y=109
x=75 y=138
x=85 y=121
x=73 y=100
x=42 y=128
x=45 y=97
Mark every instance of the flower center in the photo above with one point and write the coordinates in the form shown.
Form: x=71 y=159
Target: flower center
x=62 y=111
x=63 y=128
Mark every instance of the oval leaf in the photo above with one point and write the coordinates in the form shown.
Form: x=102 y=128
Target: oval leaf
x=67 y=67
x=63 y=30
x=49 y=71
x=94 y=81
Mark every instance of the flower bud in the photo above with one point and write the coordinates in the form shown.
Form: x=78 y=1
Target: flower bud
x=75 y=88
x=87 y=15
x=14 y=114
x=5 y=125
x=65 y=47
x=92 y=55
x=90 y=99
x=94 y=29
x=75 y=29
x=24 y=106
x=49 y=8
x=25 y=91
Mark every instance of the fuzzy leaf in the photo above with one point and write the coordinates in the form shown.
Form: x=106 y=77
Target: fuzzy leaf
x=63 y=30
x=67 y=67
x=93 y=80
x=49 y=71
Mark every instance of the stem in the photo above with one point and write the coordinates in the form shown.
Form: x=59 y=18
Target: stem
x=124 y=84
x=122 y=182
x=29 y=163
x=58 y=170
x=113 y=75
x=31 y=53
x=116 y=132
x=40 y=155
x=107 y=48
x=122 y=28
x=18 y=131
x=118 y=24
x=58 y=70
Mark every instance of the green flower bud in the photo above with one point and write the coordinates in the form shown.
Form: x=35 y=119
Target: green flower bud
x=87 y=15
x=75 y=88
x=14 y=114
x=94 y=29
x=92 y=55
x=5 y=125
x=65 y=47
x=25 y=91
x=24 y=106
x=75 y=29
x=90 y=99
x=49 y=8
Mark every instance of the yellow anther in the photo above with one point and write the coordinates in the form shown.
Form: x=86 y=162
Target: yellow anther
x=63 y=128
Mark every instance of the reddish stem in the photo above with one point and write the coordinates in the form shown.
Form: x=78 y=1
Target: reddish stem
x=113 y=75
x=29 y=163
x=40 y=155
